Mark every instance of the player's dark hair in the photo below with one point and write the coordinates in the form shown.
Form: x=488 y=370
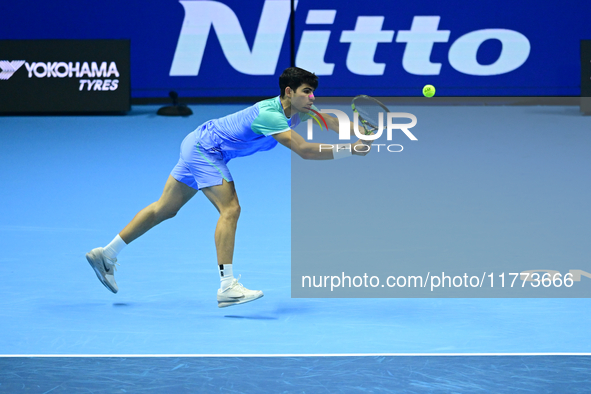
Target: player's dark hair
x=294 y=77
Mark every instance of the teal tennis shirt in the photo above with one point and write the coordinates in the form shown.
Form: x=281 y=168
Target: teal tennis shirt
x=248 y=131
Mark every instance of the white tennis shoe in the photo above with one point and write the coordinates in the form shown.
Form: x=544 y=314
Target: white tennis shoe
x=104 y=268
x=237 y=294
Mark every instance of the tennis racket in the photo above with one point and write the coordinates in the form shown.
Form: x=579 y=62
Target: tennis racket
x=368 y=109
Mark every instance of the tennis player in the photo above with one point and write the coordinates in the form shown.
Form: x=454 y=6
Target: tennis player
x=204 y=155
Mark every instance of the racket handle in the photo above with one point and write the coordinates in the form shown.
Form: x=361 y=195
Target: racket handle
x=367 y=132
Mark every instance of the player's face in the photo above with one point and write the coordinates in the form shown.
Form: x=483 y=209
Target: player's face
x=303 y=98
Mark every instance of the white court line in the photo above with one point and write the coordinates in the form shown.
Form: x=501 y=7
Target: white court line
x=293 y=355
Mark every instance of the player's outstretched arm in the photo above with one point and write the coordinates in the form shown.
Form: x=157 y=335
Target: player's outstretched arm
x=314 y=151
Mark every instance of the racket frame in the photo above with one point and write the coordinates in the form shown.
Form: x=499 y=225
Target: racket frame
x=369 y=127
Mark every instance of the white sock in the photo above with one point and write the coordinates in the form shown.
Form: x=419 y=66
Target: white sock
x=226 y=276
x=113 y=249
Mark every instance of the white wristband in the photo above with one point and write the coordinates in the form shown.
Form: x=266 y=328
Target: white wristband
x=340 y=151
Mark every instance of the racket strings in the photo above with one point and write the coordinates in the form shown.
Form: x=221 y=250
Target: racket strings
x=370 y=113
x=369 y=110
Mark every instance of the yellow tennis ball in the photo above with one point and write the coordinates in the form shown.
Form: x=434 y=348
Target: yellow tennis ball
x=429 y=91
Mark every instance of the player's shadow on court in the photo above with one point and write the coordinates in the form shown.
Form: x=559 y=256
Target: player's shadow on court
x=150 y=111
x=293 y=308
x=281 y=309
x=251 y=317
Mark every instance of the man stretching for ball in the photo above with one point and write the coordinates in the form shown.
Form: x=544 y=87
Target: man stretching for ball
x=202 y=166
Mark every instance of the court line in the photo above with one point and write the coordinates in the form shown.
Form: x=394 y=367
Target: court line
x=294 y=355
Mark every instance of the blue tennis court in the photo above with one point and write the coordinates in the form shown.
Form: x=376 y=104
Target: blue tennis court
x=70 y=183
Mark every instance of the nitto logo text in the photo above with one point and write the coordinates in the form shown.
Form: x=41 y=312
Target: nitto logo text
x=201 y=17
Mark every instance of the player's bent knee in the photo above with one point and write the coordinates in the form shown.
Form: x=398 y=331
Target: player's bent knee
x=235 y=210
x=165 y=213
x=169 y=214
x=232 y=211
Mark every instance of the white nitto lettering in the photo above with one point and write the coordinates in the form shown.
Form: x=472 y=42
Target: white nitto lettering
x=421 y=37
x=201 y=16
x=364 y=40
x=516 y=48
x=313 y=44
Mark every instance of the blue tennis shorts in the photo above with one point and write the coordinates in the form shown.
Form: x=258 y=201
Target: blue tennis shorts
x=200 y=168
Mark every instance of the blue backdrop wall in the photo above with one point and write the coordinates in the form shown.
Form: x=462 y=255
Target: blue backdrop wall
x=383 y=48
